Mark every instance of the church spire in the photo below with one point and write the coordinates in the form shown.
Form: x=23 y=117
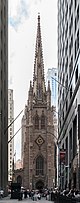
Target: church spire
x=39 y=88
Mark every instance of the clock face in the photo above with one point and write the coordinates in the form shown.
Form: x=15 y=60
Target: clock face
x=39 y=140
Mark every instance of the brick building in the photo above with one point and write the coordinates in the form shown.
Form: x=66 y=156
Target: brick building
x=38 y=153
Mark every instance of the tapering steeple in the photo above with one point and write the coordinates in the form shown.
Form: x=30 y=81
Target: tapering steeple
x=39 y=89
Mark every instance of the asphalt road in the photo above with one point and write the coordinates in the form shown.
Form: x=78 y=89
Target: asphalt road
x=8 y=200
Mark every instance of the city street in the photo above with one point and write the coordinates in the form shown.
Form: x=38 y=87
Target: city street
x=8 y=200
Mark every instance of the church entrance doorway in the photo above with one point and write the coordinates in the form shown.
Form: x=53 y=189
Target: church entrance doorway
x=40 y=185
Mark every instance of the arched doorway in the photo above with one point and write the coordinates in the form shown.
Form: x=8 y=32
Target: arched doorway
x=19 y=179
x=39 y=185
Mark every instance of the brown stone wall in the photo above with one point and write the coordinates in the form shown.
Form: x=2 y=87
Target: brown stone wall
x=33 y=150
x=18 y=172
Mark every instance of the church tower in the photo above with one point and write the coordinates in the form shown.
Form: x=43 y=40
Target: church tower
x=38 y=163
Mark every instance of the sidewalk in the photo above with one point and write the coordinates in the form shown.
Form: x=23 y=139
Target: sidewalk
x=27 y=200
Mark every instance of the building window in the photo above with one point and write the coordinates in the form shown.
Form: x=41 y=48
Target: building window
x=63 y=96
x=19 y=179
x=60 y=123
x=75 y=24
x=76 y=74
x=36 y=121
x=66 y=65
x=71 y=21
x=70 y=49
x=66 y=105
x=39 y=91
x=66 y=82
x=75 y=49
x=69 y=10
x=71 y=92
x=70 y=29
x=71 y=67
x=39 y=166
x=42 y=121
x=75 y=3
x=78 y=14
x=63 y=115
x=71 y=41
x=71 y=2
x=77 y=40
x=60 y=106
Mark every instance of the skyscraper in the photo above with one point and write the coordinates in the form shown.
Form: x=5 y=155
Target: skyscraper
x=3 y=93
x=69 y=91
x=52 y=76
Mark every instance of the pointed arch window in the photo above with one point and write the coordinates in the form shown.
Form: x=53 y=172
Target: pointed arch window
x=39 y=166
x=43 y=121
x=39 y=91
x=36 y=121
x=19 y=179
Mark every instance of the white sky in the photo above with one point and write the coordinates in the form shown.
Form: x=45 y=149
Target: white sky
x=22 y=36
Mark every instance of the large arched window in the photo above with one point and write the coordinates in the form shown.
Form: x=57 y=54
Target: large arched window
x=39 y=165
x=42 y=120
x=36 y=121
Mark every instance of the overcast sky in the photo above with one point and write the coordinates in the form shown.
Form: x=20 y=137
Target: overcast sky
x=22 y=37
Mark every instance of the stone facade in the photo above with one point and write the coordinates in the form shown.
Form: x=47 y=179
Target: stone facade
x=18 y=176
x=38 y=158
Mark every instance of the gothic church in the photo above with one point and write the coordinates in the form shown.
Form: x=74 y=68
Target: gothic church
x=38 y=154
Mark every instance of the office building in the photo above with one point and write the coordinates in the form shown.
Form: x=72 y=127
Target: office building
x=52 y=76
x=69 y=92
x=10 y=134
x=3 y=94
